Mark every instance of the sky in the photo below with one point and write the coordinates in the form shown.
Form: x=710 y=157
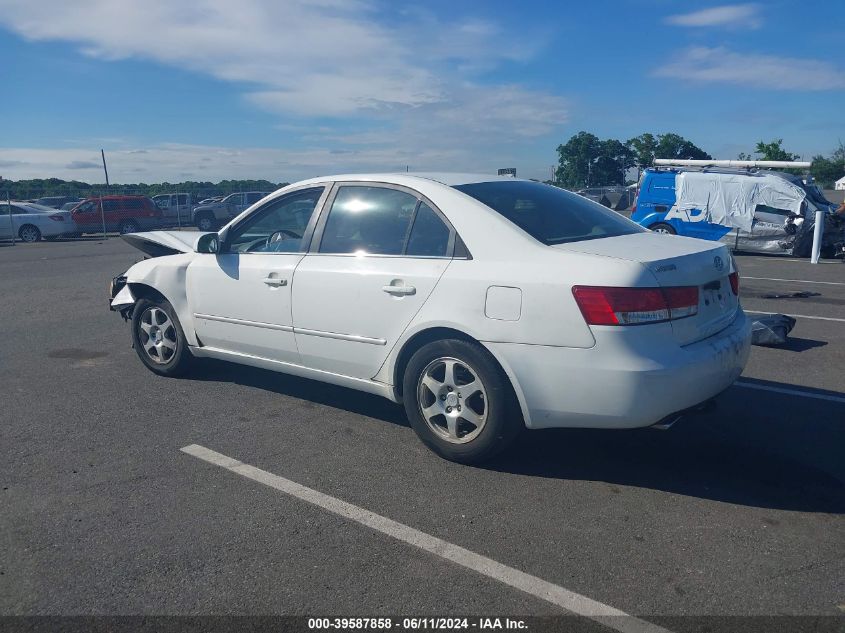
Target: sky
x=291 y=89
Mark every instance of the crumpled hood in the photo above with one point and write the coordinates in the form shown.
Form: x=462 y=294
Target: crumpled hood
x=160 y=243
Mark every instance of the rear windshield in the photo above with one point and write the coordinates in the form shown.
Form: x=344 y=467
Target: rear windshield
x=549 y=214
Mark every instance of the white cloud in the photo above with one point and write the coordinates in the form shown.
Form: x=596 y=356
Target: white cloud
x=731 y=16
x=721 y=65
x=305 y=57
x=401 y=83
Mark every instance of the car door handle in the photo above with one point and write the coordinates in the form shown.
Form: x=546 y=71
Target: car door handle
x=275 y=281
x=399 y=290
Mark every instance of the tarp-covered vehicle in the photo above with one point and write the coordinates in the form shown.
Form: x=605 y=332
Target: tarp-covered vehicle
x=755 y=211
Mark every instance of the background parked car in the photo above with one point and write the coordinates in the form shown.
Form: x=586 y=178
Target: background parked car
x=30 y=222
x=57 y=202
x=617 y=198
x=175 y=207
x=208 y=217
x=126 y=214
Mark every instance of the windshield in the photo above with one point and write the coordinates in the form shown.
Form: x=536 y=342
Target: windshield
x=549 y=214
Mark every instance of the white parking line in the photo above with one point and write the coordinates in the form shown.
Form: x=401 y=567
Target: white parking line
x=797 y=281
x=537 y=587
x=797 y=316
x=791 y=392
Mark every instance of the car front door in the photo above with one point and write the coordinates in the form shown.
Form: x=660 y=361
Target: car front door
x=87 y=217
x=241 y=296
x=236 y=205
x=376 y=257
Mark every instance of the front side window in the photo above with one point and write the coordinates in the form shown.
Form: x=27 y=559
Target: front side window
x=87 y=207
x=233 y=198
x=278 y=227
x=368 y=220
x=549 y=214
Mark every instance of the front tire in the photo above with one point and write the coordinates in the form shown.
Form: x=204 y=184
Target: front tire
x=29 y=233
x=664 y=228
x=459 y=402
x=158 y=338
x=206 y=222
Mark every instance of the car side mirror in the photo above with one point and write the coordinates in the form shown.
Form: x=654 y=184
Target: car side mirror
x=207 y=243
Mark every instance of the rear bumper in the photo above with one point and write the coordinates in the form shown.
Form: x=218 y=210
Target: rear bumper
x=632 y=377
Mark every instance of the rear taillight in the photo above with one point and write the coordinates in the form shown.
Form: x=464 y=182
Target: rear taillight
x=57 y=217
x=603 y=305
x=734 y=277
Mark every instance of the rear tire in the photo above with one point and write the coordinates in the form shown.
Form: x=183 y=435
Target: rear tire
x=29 y=233
x=158 y=338
x=459 y=401
x=664 y=228
x=128 y=226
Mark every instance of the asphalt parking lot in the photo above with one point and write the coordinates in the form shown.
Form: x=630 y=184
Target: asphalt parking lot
x=739 y=511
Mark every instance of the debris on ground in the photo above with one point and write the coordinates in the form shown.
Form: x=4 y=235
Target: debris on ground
x=771 y=329
x=801 y=294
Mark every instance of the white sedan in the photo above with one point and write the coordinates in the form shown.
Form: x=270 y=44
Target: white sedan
x=29 y=222
x=485 y=305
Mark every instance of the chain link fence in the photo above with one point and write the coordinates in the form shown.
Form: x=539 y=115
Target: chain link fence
x=109 y=213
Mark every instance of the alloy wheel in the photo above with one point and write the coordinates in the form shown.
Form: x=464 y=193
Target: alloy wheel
x=29 y=234
x=157 y=335
x=452 y=400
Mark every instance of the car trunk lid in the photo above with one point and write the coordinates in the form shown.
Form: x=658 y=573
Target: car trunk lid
x=678 y=261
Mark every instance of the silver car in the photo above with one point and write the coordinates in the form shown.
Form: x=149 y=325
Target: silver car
x=208 y=217
x=29 y=222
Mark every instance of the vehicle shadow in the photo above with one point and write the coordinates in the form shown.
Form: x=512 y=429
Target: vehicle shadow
x=757 y=448
x=794 y=344
x=301 y=388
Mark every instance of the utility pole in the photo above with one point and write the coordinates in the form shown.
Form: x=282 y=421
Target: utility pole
x=9 y=207
x=102 y=209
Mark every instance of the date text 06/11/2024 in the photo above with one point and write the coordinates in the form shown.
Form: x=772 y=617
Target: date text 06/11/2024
x=414 y=624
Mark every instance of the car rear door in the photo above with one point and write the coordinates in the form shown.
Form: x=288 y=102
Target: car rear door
x=376 y=257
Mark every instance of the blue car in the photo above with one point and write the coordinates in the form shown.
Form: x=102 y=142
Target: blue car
x=755 y=211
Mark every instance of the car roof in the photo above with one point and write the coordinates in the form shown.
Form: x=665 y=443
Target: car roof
x=35 y=207
x=117 y=197
x=450 y=179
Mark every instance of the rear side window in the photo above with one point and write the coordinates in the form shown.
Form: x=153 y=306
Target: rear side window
x=662 y=182
x=549 y=214
x=429 y=235
x=368 y=220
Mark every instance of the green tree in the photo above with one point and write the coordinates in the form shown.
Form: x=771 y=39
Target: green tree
x=575 y=159
x=587 y=161
x=826 y=171
x=677 y=147
x=774 y=151
x=643 y=147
